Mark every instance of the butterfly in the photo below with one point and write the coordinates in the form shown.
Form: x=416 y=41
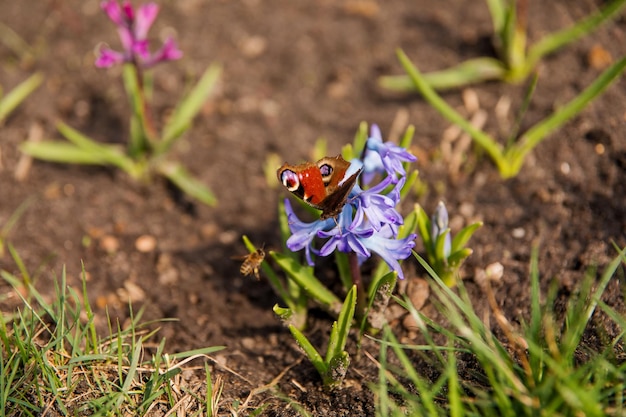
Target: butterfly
x=321 y=184
x=252 y=262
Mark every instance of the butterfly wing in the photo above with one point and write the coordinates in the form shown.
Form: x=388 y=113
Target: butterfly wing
x=334 y=202
x=320 y=185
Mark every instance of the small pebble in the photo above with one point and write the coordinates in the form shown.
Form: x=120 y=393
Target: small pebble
x=109 y=244
x=599 y=148
x=253 y=46
x=518 y=233
x=409 y=323
x=494 y=271
x=227 y=237
x=145 y=243
x=134 y=292
x=418 y=292
x=363 y=8
x=394 y=312
x=599 y=58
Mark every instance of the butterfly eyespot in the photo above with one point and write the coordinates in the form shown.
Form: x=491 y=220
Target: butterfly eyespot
x=327 y=171
x=290 y=180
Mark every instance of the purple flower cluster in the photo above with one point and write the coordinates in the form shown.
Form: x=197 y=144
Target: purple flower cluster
x=369 y=221
x=132 y=27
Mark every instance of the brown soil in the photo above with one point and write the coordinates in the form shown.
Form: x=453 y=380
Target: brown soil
x=294 y=72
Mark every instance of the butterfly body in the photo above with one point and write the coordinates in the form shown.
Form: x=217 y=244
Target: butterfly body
x=321 y=185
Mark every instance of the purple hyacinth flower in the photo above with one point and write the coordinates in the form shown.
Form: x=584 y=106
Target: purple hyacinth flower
x=364 y=240
x=379 y=209
x=303 y=233
x=369 y=221
x=383 y=157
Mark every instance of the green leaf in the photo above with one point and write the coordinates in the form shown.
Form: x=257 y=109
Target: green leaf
x=556 y=40
x=493 y=148
x=541 y=130
x=320 y=149
x=410 y=223
x=309 y=350
x=341 y=328
x=360 y=140
x=464 y=236
x=189 y=108
x=13 y=98
x=284 y=313
x=411 y=178
x=304 y=277
x=423 y=225
x=181 y=178
x=291 y=317
x=471 y=71
x=343 y=267
x=337 y=369
x=379 y=294
x=110 y=154
x=195 y=352
x=61 y=152
x=497 y=10
x=457 y=257
x=407 y=139
x=139 y=141
x=440 y=246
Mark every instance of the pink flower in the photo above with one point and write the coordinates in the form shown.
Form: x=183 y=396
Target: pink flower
x=132 y=27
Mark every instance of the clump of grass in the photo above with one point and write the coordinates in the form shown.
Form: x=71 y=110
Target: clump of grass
x=52 y=361
x=510 y=156
x=542 y=369
x=516 y=60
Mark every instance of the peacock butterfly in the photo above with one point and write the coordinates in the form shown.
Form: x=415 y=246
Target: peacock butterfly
x=321 y=185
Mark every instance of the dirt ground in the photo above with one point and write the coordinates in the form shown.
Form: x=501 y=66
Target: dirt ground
x=294 y=72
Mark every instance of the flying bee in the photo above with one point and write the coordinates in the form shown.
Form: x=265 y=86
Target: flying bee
x=252 y=263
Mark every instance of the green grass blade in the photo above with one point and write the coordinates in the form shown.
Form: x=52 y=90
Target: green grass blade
x=26 y=278
x=426 y=395
x=556 y=40
x=182 y=179
x=468 y=72
x=11 y=100
x=196 y=352
x=108 y=153
x=61 y=152
x=539 y=131
x=189 y=108
x=485 y=141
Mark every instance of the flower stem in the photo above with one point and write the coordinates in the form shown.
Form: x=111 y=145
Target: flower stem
x=356 y=280
x=149 y=129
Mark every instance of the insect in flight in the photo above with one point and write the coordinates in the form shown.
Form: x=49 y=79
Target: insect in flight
x=252 y=263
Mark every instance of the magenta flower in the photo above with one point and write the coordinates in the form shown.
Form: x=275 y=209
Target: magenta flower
x=132 y=27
